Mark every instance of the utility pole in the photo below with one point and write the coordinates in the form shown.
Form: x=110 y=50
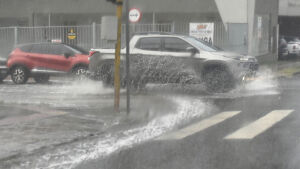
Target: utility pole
x=119 y=4
x=127 y=60
x=117 y=56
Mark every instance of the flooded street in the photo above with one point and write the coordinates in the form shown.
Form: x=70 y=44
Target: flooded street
x=140 y=84
x=70 y=124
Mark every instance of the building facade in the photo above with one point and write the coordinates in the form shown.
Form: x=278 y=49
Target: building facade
x=245 y=26
x=289 y=18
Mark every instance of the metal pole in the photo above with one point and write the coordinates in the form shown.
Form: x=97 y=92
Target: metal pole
x=94 y=34
x=16 y=36
x=49 y=19
x=153 y=22
x=127 y=60
x=117 y=57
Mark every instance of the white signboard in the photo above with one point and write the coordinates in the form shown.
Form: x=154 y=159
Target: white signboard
x=134 y=15
x=109 y=26
x=204 y=31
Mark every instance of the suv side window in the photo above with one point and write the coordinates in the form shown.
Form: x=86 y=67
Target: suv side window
x=153 y=44
x=52 y=49
x=42 y=48
x=67 y=49
x=26 y=48
x=56 y=49
x=37 y=48
x=175 y=45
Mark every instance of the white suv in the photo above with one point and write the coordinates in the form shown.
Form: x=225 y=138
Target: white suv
x=170 y=58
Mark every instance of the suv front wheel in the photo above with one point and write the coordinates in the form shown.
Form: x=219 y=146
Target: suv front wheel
x=218 y=80
x=19 y=75
x=80 y=72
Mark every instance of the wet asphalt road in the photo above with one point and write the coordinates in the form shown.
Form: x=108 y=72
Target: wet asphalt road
x=68 y=124
x=277 y=147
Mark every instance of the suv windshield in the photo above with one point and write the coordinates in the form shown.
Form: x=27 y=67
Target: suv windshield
x=202 y=44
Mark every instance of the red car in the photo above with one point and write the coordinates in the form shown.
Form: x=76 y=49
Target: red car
x=42 y=60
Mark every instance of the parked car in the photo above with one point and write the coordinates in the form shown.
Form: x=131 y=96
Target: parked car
x=288 y=46
x=3 y=69
x=42 y=60
x=282 y=48
x=170 y=58
x=293 y=47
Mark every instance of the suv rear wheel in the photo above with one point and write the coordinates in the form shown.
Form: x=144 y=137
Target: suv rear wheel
x=80 y=72
x=105 y=73
x=19 y=75
x=41 y=78
x=218 y=80
x=2 y=78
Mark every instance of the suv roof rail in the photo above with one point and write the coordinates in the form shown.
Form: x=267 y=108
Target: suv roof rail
x=153 y=33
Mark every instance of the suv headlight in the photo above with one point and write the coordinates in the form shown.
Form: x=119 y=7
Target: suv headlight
x=243 y=59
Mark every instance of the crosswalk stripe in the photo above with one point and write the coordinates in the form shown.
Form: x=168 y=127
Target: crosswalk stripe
x=259 y=126
x=197 y=127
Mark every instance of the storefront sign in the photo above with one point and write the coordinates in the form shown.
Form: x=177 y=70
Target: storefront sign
x=71 y=34
x=204 y=31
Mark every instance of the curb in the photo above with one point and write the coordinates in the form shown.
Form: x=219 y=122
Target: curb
x=289 y=70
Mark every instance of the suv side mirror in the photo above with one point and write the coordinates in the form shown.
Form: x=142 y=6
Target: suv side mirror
x=192 y=50
x=67 y=55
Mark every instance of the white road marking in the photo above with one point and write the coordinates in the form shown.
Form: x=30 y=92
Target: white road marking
x=197 y=127
x=259 y=126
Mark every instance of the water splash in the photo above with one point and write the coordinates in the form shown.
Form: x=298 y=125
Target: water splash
x=72 y=156
x=84 y=87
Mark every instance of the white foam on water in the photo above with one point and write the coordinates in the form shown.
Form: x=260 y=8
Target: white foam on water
x=84 y=87
x=111 y=143
x=266 y=80
x=265 y=83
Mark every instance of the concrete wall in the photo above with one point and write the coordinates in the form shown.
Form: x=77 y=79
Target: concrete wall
x=251 y=26
x=241 y=15
x=268 y=11
x=289 y=8
x=230 y=13
x=81 y=12
x=101 y=6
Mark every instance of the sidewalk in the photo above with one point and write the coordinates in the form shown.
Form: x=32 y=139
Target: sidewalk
x=288 y=69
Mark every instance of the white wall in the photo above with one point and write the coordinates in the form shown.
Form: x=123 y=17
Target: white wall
x=233 y=11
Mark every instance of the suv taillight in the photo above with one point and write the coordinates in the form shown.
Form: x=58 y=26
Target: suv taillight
x=92 y=52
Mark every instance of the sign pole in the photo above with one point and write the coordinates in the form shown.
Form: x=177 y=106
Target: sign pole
x=117 y=57
x=127 y=60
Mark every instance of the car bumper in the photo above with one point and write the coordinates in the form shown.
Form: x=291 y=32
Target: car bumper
x=3 y=72
x=295 y=52
x=245 y=71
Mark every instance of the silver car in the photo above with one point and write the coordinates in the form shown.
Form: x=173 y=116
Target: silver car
x=169 y=58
